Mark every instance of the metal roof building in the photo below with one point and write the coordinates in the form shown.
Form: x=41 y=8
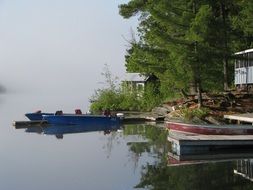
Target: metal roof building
x=135 y=77
x=135 y=82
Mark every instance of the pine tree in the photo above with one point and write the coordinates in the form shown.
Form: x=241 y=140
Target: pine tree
x=188 y=42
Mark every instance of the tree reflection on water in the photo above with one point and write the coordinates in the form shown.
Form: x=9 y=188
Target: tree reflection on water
x=160 y=173
x=203 y=176
x=159 y=176
x=155 y=140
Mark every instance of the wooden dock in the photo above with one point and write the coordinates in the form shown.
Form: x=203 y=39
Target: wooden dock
x=240 y=118
x=190 y=144
x=140 y=118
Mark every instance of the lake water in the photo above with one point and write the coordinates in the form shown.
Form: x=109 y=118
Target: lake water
x=133 y=157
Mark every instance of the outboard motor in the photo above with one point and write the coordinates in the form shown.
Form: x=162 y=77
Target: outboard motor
x=120 y=115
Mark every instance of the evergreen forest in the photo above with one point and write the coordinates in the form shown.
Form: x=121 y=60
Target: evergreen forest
x=189 y=45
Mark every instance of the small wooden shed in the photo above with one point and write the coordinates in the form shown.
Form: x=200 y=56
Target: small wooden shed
x=136 y=82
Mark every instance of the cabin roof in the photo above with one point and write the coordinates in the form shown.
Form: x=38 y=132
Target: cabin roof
x=245 y=51
x=135 y=77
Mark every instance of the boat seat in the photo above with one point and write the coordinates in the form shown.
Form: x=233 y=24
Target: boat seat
x=59 y=112
x=78 y=112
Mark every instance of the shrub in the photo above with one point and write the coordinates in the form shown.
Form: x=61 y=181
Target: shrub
x=189 y=114
x=113 y=98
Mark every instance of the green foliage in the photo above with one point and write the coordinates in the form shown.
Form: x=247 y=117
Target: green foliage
x=151 y=97
x=106 y=99
x=130 y=102
x=114 y=98
x=156 y=136
x=139 y=147
x=189 y=114
x=124 y=101
x=184 y=41
x=209 y=176
x=131 y=8
x=181 y=42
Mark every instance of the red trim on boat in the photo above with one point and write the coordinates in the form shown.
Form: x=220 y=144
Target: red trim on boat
x=209 y=130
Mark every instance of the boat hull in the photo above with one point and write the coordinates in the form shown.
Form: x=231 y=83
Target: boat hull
x=81 y=120
x=209 y=129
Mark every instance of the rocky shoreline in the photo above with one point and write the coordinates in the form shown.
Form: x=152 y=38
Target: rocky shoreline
x=215 y=106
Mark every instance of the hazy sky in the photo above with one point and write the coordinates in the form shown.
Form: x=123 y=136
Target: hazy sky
x=60 y=46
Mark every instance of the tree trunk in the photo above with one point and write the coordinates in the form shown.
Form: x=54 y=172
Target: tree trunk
x=197 y=71
x=200 y=102
x=225 y=74
x=183 y=93
x=225 y=48
x=193 y=88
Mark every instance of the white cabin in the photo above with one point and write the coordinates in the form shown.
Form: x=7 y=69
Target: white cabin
x=244 y=69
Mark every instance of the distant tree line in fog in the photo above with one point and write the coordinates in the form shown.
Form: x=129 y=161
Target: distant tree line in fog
x=2 y=89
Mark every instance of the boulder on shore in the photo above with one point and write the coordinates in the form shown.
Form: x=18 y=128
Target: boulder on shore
x=160 y=111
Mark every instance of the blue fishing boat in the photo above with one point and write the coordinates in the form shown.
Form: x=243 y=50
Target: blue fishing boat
x=82 y=119
x=76 y=118
x=37 y=116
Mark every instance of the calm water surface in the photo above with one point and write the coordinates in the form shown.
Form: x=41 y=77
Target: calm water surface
x=134 y=157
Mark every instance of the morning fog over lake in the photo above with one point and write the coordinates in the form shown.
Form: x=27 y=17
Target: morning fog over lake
x=127 y=94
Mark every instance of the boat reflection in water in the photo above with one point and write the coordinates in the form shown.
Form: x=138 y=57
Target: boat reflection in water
x=60 y=130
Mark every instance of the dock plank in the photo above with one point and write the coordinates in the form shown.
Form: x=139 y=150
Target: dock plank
x=246 y=117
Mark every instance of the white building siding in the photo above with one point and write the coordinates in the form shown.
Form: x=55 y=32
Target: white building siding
x=244 y=75
x=244 y=67
x=240 y=76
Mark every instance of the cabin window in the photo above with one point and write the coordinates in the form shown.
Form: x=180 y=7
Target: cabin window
x=236 y=64
x=240 y=63
x=246 y=60
x=243 y=63
x=250 y=59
